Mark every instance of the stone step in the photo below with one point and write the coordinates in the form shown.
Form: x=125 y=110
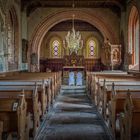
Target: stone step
x=65 y=87
x=73 y=118
x=72 y=91
x=76 y=132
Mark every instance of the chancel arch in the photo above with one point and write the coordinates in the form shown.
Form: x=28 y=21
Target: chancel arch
x=48 y=23
x=55 y=53
x=133 y=38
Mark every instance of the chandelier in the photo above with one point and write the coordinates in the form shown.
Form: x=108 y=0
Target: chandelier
x=73 y=39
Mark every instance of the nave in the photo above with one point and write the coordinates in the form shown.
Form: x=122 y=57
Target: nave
x=73 y=116
x=45 y=44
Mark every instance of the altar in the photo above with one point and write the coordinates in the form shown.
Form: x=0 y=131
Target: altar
x=75 y=70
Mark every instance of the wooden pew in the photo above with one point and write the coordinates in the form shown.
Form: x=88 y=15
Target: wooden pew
x=1 y=129
x=7 y=74
x=96 y=85
x=52 y=87
x=21 y=84
x=105 y=88
x=53 y=84
x=130 y=119
x=116 y=104
x=32 y=99
x=39 y=76
x=13 y=113
x=123 y=82
x=59 y=80
x=95 y=77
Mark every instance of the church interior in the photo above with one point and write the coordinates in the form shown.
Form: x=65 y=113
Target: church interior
x=69 y=69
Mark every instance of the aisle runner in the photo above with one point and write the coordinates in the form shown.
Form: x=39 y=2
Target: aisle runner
x=73 y=117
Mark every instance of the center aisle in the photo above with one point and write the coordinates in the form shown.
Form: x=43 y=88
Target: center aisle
x=73 y=117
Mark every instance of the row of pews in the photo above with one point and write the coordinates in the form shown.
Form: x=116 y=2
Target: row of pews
x=117 y=96
x=24 y=101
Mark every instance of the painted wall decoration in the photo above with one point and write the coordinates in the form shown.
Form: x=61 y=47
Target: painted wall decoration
x=116 y=55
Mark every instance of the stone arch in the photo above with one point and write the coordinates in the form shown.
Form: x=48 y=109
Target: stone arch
x=54 y=19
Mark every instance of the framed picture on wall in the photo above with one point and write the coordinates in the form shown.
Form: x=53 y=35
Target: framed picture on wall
x=24 y=50
x=34 y=59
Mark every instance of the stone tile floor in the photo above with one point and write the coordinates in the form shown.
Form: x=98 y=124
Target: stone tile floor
x=73 y=117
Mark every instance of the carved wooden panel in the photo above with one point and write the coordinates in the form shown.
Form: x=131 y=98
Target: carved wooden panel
x=52 y=64
x=73 y=60
x=57 y=64
x=92 y=64
x=111 y=55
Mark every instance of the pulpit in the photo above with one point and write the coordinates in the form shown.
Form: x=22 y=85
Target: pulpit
x=111 y=55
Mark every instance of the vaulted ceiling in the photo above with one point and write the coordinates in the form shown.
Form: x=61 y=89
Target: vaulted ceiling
x=115 y=5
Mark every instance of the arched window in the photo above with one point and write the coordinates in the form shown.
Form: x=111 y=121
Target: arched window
x=56 y=45
x=92 y=48
x=55 y=48
x=133 y=37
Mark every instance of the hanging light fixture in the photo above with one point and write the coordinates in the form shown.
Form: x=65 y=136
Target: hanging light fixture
x=73 y=38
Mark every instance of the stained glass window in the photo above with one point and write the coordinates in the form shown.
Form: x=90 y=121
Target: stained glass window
x=56 y=49
x=92 y=45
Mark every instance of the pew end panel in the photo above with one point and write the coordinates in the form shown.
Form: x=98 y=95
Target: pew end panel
x=131 y=121
x=13 y=115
